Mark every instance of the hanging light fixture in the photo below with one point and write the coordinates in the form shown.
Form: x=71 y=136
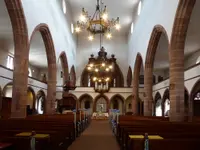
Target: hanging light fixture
x=101 y=70
x=98 y=23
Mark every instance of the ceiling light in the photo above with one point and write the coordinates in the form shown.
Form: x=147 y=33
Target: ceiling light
x=107 y=79
x=105 y=16
x=117 y=26
x=96 y=70
x=110 y=67
x=107 y=69
x=109 y=35
x=90 y=37
x=82 y=18
x=139 y=8
x=77 y=29
x=103 y=64
x=95 y=78
x=99 y=80
x=89 y=68
x=91 y=65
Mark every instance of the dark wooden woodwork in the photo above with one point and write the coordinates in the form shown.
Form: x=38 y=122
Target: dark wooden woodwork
x=6 y=107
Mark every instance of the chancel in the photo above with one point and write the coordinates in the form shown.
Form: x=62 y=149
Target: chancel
x=99 y=74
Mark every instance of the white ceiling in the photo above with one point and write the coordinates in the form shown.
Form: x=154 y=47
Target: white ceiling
x=124 y=9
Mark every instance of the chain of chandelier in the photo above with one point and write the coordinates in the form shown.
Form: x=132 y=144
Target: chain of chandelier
x=99 y=19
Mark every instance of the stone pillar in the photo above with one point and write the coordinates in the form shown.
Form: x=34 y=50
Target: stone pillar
x=135 y=96
x=177 y=84
x=148 y=83
x=51 y=97
x=20 y=82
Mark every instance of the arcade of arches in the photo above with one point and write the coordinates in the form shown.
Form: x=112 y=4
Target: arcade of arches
x=149 y=77
x=43 y=61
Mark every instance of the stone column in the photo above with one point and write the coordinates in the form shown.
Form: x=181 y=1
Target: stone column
x=51 y=97
x=51 y=90
x=20 y=82
x=135 y=96
x=148 y=83
x=177 y=84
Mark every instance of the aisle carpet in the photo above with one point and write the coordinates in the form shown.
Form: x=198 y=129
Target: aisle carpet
x=98 y=136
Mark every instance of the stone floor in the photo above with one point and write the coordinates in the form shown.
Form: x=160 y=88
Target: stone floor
x=98 y=136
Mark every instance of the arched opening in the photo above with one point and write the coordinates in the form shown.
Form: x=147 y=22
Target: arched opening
x=138 y=81
x=129 y=77
x=40 y=102
x=158 y=105
x=31 y=98
x=41 y=37
x=179 y=51
x=128 y=104
x=140 y=107
x=157 y=63
x=86 y=101
x=117 y=102
x=0 y=100
x=62 y=69
x=101 y=104
x=166 y=103
x=73 y=75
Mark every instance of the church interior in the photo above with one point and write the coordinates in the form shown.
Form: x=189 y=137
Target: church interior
x=99 y=74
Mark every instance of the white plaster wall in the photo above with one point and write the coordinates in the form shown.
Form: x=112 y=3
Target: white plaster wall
x=50 y=12
x=161 y=12
x=117 y=45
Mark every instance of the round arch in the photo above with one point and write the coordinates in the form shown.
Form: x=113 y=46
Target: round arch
x=158 y=30
x=117 y=102
x=21 y=42
x=8 y=90
x=177 y=44
x=128 y=104
x=166 y=103
x=98 y=97
x=73 y=75
x=0 y=98
x=195 y=99
x=158 y=105
x=51 y=59
x=137 y=67
x=129 y=77
x=31 y=98
x=40 y=102
x=64 y=64
x=85 y=103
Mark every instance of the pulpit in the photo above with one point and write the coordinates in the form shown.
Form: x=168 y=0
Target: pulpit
x=68 y=102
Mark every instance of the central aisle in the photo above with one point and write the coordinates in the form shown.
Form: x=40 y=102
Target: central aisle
x=98 y=136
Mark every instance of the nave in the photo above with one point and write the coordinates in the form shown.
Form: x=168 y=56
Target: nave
x=97 y=136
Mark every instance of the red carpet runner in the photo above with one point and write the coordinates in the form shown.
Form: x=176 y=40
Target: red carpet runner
x=98 y=136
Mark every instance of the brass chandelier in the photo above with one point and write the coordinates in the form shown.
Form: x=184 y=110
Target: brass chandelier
x=101 y=70
x=98 y=23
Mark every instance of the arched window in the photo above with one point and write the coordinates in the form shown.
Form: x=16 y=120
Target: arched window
x=197 y=97
x=29 y=72
x=139 y=7
x=87 y=104
x=158 y=108
x=64 y=6
x=167 y=107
